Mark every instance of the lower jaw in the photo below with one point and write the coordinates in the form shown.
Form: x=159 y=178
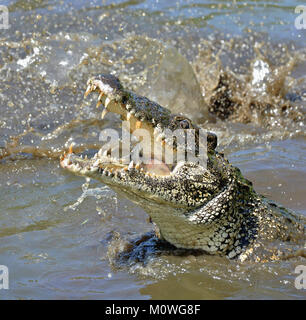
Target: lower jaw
x=79 y=164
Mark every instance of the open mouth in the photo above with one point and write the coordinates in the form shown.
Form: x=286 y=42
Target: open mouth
x=142 y=117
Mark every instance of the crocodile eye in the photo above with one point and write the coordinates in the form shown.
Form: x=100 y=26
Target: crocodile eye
x=185 y=124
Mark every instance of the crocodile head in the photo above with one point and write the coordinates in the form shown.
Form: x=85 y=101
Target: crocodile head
x=189 y=200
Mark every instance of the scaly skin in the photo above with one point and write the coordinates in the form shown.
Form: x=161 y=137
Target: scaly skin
x=210 y=208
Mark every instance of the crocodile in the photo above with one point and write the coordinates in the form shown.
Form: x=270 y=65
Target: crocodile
x=194 y=205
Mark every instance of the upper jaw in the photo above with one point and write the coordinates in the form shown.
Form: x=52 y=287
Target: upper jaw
x=138 y=110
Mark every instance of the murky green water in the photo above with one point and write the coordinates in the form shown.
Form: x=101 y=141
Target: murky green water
x=55 y=228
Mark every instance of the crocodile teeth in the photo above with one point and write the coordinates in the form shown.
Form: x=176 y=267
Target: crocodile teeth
x=98 y=104
x=71 y=147
x=104 y=113
x=101 y=95
x=128 y=116
x=87 y=92
x=131 y=165
x=107 y=102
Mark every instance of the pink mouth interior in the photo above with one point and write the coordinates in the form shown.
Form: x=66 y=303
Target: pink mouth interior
x=158 y=167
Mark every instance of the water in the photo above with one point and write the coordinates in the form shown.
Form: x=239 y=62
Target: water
x=59 y=232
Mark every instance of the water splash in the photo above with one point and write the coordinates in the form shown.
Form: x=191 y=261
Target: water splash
x=97 y=193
